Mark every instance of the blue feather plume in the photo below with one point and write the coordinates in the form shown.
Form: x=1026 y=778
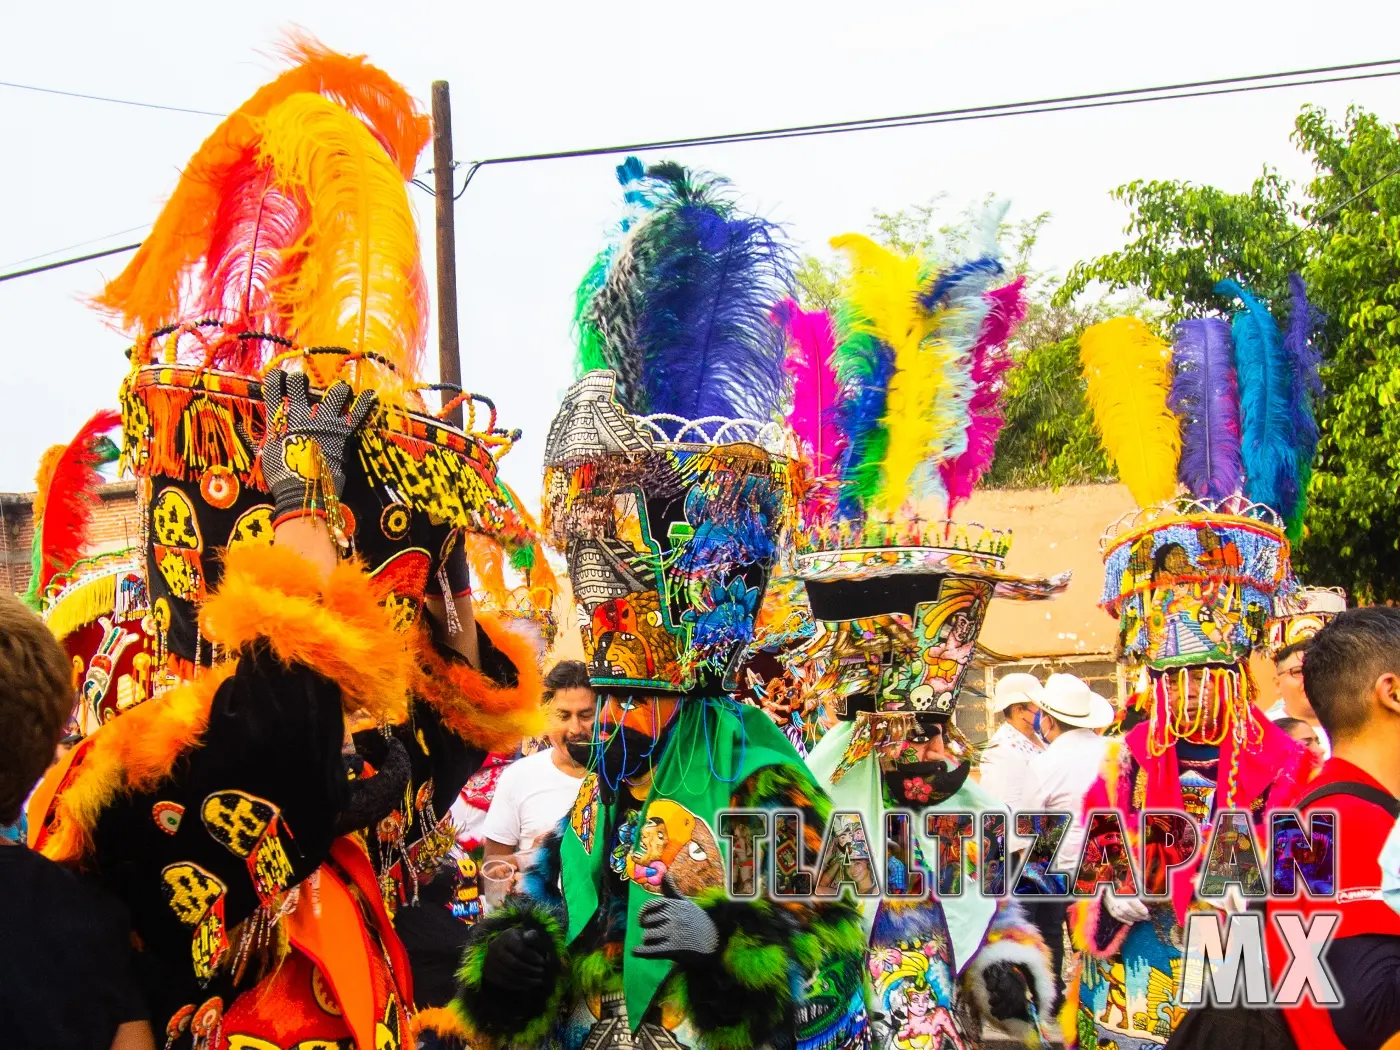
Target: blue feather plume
x=687 y=308
x=946 y=284
x=1266 y=404
x=1205 y=397
x=1305 y=359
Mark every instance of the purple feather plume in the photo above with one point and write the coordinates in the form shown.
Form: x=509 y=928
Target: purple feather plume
x=1206 y=398
x=991 y=360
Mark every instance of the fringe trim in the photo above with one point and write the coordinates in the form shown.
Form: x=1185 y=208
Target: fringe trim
x=492 y=717
x=1017 y=949
x=128 y=755
x=339 y=630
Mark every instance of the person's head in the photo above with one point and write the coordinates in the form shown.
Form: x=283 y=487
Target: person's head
x=1016 y=697
x=1288 y=677
x=570 y=704
x=36 y=701
x=1352 y=674
x=1303 y=733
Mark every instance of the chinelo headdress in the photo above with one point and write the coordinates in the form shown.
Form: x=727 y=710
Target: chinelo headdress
x=289 y=242
x=1214 y=436
x=1300 y=615
x=97 y=605
x=665 y=479
x=896 y=406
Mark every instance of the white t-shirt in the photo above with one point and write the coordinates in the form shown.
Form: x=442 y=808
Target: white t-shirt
x=1061 y=776
x=532 y=796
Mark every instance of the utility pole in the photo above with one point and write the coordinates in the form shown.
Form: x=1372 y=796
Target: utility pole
x=449 y=349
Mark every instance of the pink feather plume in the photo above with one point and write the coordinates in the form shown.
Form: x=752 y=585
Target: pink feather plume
x=990 y=362
x=815 y=390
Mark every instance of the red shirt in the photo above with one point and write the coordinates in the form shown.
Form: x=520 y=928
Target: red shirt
x=1362 y=828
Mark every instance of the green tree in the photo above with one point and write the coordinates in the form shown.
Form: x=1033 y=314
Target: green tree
x=1048 y=439
x=1341 y=231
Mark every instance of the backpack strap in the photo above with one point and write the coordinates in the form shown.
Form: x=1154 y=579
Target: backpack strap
x=1366 y=792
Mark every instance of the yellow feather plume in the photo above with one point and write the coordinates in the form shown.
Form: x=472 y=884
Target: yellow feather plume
x=921 y=411
x=360 y=285
x=1128 y=370
x=147 y=294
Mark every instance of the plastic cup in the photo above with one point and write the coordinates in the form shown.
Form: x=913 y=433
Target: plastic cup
x=497 y=876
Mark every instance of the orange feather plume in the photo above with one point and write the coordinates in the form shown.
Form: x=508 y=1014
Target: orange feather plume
x=147 y=294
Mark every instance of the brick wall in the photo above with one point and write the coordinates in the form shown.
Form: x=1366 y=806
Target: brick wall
x=114 y=527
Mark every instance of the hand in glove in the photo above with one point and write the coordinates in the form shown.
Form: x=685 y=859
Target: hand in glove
x=675 y=928
x=1009 y=991
x=303 y=454
x=1126 y=910
x=516 y=960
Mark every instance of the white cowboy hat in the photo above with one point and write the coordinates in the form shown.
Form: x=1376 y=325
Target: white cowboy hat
x=1070 y=700
x=1017 y=689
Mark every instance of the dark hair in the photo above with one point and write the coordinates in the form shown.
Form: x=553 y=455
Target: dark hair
x=1344 y=660
x=1291 y=648
x=36 y=701
x=1290 y=724
x=566 y=674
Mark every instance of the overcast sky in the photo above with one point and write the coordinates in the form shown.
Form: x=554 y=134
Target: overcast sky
x=544 y=76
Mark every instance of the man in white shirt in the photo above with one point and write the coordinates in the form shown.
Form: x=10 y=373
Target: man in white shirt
x=1006 y=763
x=1070 y=715
x=536 y=792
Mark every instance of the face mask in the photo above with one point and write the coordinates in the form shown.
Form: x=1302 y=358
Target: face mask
x=924 y=783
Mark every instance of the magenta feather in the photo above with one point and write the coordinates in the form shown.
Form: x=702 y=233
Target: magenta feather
x=1206 y=398
x=991 y=360
x=816 y=393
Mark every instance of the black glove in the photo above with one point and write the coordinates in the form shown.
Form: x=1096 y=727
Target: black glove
x=516 y=961
x=675 y=928
x=374 y=798
x=303 y=454
x=1008 y=991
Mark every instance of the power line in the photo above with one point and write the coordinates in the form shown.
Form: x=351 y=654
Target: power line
x=69 y=262
x=79 y=244
x=104 y=98
x=1061 y=104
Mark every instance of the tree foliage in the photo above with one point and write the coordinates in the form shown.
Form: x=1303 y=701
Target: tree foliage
x=1341 y=230
x=1048 y=439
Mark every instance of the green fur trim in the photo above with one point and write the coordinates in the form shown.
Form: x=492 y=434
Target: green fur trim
x=533 y=1032
x=595 y=974
x=755 y=964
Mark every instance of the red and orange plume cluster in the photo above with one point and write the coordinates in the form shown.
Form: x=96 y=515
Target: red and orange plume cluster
x=293 y=220
x=67 y=484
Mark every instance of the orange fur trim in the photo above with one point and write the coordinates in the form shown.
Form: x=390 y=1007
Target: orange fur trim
x=127 y=755
x=442 y=1020
x=339 y=629
x=470 y=704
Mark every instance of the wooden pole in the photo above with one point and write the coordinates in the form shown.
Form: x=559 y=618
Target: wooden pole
x=449 y=349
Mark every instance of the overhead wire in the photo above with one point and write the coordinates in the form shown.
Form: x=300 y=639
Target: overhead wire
x=105 y=98
x=1061 y=104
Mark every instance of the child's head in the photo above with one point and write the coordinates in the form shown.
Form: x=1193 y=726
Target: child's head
x=1302 y=732
x=36 y=701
